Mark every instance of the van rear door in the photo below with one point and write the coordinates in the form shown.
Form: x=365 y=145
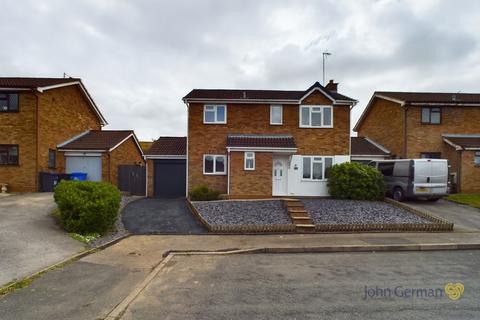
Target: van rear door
x=430 y=177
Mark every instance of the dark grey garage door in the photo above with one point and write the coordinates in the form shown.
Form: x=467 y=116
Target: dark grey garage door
x=169 y=178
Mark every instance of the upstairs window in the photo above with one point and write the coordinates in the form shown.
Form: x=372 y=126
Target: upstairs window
x=214 y=164
x=8 y=102
x=276 y=115
x=52 y=159
x=8 y=154
x=249 y=161
x=477 y=159
x=316 y=117
x=215 y=114
x=316 y=168
x=431 y=115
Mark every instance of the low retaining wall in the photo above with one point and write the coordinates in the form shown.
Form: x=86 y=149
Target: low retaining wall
x=241 y=228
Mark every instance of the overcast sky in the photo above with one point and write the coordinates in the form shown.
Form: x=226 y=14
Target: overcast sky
x=139 y=58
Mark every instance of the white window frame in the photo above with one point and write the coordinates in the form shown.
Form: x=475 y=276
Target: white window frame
x=475 y=156
x=310 y=107
x=247 y=157
x=281 y=114
x=215 y=107
x=215 y=172
x=312 y=160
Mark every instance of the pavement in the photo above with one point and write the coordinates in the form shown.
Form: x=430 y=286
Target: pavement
x=312 y=286
x=93 y=286
x=30 y=239
x=161 y=216
x=465 y=218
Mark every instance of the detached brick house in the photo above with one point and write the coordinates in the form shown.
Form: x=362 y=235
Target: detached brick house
x=428 y=125
x=264 y=143
x=37 y=115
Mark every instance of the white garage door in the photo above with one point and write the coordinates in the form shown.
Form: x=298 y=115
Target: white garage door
x=92 y=166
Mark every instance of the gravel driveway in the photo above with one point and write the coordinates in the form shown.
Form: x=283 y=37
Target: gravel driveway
x=246 y=212
x=331 y=211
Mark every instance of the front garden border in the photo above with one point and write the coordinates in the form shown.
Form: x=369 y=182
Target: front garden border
x=437 y=224
x=246 y=228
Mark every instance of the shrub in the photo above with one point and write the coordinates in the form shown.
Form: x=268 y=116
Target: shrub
x=356 y=181
x=203 y=193
x=87 y=207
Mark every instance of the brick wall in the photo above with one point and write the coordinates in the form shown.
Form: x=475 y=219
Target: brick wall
x=428 y=137
x=247 y=183
x=470 y=179
x=255 y=119
x=150 y=177
x=384 y=124
x=20 y=128
x=126 y=154
x=63 y=113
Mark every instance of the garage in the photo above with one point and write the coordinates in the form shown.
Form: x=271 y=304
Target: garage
x=167 y=166
x=89 y=164
x=169 y=178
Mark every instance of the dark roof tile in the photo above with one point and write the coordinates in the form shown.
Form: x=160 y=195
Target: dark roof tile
x=432 y=97
x=97 y=140
x=169 y=146
x=260 y=141
x=362 y=146
x=31 y=83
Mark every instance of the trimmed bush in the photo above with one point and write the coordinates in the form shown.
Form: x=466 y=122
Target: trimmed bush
x=203 y=193
x=87 y=207
x=356 y=181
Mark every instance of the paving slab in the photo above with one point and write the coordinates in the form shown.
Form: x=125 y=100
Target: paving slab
x=30 y=239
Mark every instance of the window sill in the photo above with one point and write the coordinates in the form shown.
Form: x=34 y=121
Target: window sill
x=214 y=174
x=245 y=169
x=276 y=124
x=314 y=180
x=214 y=123
x=311 y=127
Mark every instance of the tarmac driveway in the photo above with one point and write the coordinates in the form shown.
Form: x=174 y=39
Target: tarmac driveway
x=160 y=216
x=464 y=218
x=30 y=239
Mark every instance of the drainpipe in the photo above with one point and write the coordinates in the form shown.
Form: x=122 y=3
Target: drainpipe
x=228 y=171
x=459 y=171
x=37 y=147
x=405 y=112
x=146 y=176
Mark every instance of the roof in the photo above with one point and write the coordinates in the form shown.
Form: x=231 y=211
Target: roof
x=43 y=84
x=97 y=140
x=261 y=141
x=463 y=142
x=422 y=98
x=168 y=146
x=33 y=83
x=269 y=95
x=365 y=146
x=431 y=97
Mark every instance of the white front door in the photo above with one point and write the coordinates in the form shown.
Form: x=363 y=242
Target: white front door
x=279 y=176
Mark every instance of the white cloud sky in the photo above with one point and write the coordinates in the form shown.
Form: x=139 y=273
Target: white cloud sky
x=139 y=58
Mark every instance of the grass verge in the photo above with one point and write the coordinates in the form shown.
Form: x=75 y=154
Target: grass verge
x=472 y=200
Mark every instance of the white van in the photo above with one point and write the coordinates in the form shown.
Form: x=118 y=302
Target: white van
x=414 y=178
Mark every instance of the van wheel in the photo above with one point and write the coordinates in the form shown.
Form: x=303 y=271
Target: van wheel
x=398 y=194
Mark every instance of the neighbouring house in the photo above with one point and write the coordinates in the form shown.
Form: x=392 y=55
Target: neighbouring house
x=36 y=114
x=106 y=155
x=166 y=167
x=364 y=150
x=428 y=125
x=264 y=143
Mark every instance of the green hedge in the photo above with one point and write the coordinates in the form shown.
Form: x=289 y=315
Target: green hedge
x=87 y=207
x=356 y=181
x=203 y=193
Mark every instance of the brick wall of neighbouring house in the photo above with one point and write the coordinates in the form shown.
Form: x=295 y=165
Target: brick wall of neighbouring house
x=20 y=128
x=246 y=183
x=150 y=177
x=384 y=124
x=126 y=154
x=428 y=137
x=470 y=180
x=255 y=119
x=453 y=156
x=63 y=113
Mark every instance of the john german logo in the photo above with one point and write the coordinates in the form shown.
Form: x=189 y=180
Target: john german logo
x=453 y=291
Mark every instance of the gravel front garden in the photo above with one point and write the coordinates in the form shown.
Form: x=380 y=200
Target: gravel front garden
x=246 y=212
x=331 y=211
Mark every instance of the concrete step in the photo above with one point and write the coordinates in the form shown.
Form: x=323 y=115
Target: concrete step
x=293 y=211
x=300 y=217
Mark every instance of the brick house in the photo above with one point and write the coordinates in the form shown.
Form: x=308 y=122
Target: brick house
x=36 y=115
x=428 y=125
x=264 y=143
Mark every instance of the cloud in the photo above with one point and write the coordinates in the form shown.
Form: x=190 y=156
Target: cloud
x=138 y=59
